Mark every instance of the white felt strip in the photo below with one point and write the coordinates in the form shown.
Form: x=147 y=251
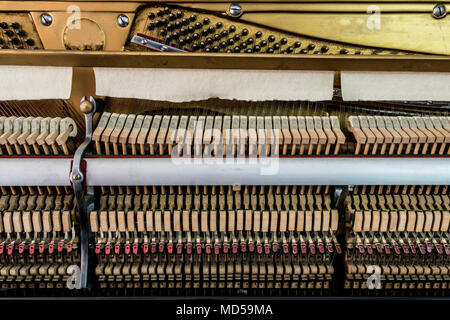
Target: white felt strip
x=179 y=85
x=29 y=83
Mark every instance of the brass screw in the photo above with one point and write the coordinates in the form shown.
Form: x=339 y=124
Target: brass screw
x=46 y=19
x=439 y=11
x=123 y=20
x=235 y=10
x=86 y=106
x=76 y=176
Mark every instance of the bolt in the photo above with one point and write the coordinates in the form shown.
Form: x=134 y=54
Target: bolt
x=235 y=10
x=76 y=176
x=86 y=106
x=46 y=19
x=123 y=20
x=439 y=11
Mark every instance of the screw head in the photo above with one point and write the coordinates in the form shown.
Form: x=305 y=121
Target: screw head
x=86 y=106
x=235 y=10
x=123 y=20
x=439 y=11
x=76 y=176
x=46 y=19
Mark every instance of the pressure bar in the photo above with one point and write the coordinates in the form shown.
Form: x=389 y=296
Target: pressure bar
x=269 y=171
x=106 y=171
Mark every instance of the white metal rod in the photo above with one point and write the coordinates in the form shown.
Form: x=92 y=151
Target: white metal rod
x=277 y=171
x=34 y=172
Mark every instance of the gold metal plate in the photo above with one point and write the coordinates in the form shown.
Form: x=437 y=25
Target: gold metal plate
x=381 y=27
x=18 y=32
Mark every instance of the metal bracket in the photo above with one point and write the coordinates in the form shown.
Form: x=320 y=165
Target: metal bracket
x=340 y=194
x=78 y=179
x=155 y=44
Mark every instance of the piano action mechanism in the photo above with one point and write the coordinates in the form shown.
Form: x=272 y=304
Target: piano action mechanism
x=228 y=149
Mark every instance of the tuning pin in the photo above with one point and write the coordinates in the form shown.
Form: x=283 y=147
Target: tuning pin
x=21 y=33
x=117 y=248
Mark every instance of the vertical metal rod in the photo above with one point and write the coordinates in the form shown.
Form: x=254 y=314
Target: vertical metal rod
x=340 y=194
x=77 y=177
